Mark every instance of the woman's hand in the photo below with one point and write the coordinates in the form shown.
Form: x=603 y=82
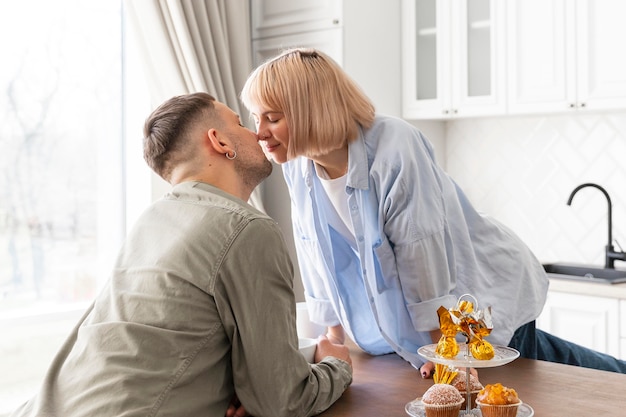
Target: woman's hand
x=336 y=335
x=428 y=370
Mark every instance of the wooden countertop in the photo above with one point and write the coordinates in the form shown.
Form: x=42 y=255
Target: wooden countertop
x=383 y=385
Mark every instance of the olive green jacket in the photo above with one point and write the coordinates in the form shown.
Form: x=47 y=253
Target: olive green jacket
x=200 y=306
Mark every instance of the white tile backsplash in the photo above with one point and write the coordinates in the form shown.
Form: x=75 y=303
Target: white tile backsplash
x=521 y=171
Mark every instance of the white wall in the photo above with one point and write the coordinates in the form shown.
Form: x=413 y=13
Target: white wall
x=521 y=170
x=372 y=51
x=435 y=131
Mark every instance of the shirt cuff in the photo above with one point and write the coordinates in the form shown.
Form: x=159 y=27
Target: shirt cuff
x=321 y=311
x=424 y=315
x=342 y=366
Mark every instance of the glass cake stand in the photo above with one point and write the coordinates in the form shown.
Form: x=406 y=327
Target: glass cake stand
x=502 y=356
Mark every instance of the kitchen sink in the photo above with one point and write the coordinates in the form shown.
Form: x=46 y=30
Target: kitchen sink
x=586 y=273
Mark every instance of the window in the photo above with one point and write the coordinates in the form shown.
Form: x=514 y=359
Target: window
x=62 y=175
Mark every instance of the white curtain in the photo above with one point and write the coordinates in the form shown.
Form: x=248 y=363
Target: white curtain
x=194 y=45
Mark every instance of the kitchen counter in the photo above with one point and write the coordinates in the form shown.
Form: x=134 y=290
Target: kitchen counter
x=383 y=385
x=591 y=314
x=587 y=288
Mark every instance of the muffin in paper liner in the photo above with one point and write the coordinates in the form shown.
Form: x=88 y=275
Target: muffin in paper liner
x=498 y=410
x=460 y=381
x=442 y=400
x=442 y=410
x=473 y=395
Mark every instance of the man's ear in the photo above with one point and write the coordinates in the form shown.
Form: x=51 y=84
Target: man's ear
x=219 y=142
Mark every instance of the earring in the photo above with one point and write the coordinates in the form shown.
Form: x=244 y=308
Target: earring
x=231 y=157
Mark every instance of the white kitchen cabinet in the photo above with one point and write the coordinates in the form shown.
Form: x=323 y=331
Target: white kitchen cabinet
x=272 y=18
x=329 y=41
x=622 y=321
x=281 y=24
x=589 y=321
x=453 y=58
x=565 y=55
x=361 y=35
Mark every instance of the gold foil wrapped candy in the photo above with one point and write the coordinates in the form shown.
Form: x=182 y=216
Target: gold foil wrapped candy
x=444 y=374
x=447 y=345
x=481 y=349
x=473 y=324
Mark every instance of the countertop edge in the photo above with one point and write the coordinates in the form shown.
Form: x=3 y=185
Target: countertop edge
x=587 y=288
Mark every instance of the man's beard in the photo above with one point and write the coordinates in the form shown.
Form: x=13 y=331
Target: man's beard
x=253 y=170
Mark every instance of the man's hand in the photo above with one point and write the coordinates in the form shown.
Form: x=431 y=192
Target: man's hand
x=326 y=348
x=235 y=409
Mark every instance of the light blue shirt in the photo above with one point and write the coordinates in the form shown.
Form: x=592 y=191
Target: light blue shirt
x=419 y=245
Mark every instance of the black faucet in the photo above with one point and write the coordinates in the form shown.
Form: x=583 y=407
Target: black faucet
x=611 y=255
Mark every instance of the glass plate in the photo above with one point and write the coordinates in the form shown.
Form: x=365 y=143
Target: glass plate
x=502 y=355
x=415 y=408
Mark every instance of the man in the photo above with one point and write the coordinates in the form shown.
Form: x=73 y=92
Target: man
x=198 y=318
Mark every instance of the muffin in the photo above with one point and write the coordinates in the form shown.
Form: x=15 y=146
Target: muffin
x=459 y=382
x=496 y=400
x=442 y=400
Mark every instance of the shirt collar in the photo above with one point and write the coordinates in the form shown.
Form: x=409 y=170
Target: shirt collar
x=358 y=165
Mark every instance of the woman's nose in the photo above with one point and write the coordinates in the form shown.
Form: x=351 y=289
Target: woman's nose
x=263 y=134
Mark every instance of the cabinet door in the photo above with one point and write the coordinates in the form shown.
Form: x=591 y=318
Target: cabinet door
x=541 y=55
x=622 y=325
x=329 y=41
x=426 y=59
x=566 y=55
x=478 y=58
x=589 y=321
x=453 y=58
x=601 y=32
x=282 y=17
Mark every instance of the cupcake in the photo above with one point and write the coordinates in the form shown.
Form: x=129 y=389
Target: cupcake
x=442 y=400
x=496 y=400
x=459 y=382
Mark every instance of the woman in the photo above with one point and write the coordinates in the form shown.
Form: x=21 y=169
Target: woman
x=384 y=236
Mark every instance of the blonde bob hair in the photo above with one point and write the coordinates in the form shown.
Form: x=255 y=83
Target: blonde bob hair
x=322 y=105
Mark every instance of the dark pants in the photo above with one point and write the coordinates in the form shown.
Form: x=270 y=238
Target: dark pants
x=534 y=343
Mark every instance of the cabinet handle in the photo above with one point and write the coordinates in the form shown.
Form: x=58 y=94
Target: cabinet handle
x=445 y=112
x=572 y=105
x=583 y=105
x=335 y=21
x=455 y=111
